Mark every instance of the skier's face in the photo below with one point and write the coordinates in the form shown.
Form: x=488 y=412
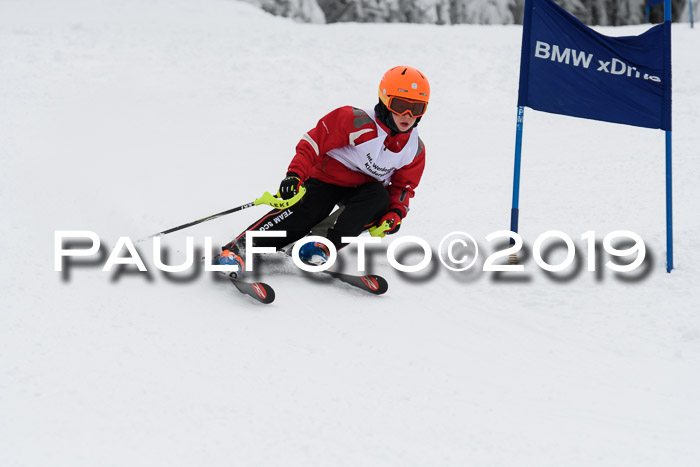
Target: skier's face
x=403 y=122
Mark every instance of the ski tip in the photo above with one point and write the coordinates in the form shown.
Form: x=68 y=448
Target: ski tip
x=371 y=283
x=259 y=291
x=265 y=293
x=376 y=285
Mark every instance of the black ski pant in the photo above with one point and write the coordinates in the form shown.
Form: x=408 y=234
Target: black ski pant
x=362 y=206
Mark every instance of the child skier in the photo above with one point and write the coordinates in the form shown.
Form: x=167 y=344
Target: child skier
x=367 y=161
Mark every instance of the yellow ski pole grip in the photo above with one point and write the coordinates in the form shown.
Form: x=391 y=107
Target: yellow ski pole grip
x=378 y=231
x=277 y=203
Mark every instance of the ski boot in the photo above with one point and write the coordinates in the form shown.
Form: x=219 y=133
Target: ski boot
x=314 y=253
x=229 y=258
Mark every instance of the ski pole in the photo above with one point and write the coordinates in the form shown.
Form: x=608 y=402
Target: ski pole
x=266 y=198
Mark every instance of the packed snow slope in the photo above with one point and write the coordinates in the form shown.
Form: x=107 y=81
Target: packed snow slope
x=129 y=117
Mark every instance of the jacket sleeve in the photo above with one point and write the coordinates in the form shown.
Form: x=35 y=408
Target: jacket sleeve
x=341 y=127
x=405 y=180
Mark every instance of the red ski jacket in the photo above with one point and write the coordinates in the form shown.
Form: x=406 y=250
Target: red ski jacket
x=340 y=128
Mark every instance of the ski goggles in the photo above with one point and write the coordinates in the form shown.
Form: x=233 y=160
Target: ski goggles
x=401 y=106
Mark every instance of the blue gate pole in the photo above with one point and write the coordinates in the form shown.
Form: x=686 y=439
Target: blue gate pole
x=514 y=212
x=669 y=205
x=646 y=11
x=690 y=5
x=669 y=170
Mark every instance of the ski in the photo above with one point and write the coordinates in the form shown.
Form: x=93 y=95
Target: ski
x=371 y=283
x=258 y=290
x=264 y=293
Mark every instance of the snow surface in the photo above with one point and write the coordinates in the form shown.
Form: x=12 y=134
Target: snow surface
x=129 y=117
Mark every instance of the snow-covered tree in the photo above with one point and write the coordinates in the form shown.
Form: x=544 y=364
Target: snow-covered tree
x=482 y=11
x=306 y=11
x=615 y=12
x=592 y=12
x=424 y=11
x=386 y=11
x=685 y=12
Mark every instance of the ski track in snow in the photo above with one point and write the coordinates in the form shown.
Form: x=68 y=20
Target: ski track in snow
x=126 y=118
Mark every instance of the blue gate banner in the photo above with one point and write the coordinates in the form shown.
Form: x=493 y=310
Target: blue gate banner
x=568 y=68
x=651 y=3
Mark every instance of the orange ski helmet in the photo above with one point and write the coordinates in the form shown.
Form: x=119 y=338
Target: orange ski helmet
x=403 y=89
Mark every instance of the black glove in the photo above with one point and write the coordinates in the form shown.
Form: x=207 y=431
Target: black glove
x=290 y=186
